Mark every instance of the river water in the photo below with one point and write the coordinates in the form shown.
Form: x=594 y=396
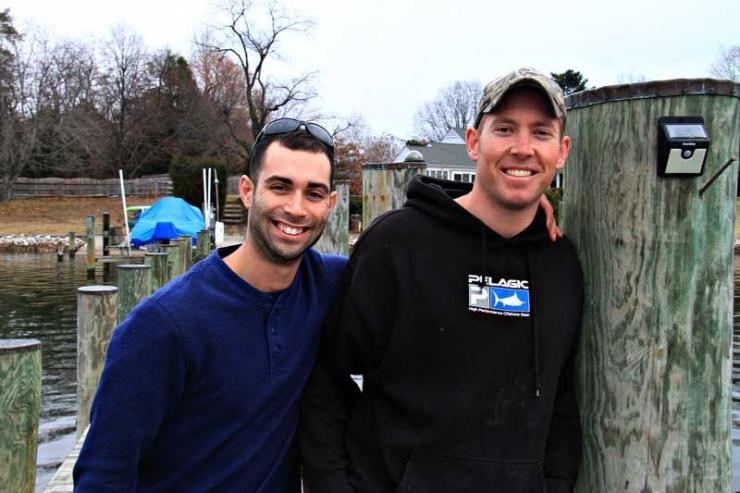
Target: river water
x=38 y=299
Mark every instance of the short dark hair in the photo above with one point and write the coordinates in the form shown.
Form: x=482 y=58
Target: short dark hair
x=297 y=140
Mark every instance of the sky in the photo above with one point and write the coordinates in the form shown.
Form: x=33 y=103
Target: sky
x=382 y=60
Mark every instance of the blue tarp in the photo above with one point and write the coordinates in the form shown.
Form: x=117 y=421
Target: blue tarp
x=168 y=218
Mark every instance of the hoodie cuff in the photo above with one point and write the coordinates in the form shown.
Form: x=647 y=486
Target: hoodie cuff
x=335 y=482
x=557 y=485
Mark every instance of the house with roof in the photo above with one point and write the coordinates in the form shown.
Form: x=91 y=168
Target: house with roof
x=445 y=159
x=448 y=158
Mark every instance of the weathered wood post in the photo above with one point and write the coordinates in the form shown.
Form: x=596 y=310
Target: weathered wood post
x=160 y=273
x=384 y=187
x=654 y=364
x=335 y=238
x=106 y=243
x=90 y=243
x=186 y=251
x=71 y=244
x=97 y=316
x=20 y=403
x=106 y=233
x=133 y=286
x=174 y=264
x=204 y=245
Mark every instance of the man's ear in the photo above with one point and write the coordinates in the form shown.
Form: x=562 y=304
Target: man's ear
x=332 y=200
x=563 y=153
x=246 y=191
x=471 y=141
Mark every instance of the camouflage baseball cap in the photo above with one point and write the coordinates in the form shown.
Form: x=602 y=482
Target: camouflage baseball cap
x=525 y=76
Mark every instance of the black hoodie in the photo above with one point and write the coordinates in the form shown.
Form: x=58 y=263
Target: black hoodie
x=466 y=341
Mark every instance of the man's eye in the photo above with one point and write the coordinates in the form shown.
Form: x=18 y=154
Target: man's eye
x=502 y=130
x=278 y=188
x=316 y=196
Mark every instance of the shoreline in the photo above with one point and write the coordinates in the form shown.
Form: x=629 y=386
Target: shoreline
x=37 y=243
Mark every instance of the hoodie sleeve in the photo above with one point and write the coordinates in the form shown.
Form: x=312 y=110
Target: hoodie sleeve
x=141 y=382
x=354 y=337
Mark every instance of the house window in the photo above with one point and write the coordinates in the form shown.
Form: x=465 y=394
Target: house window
x=457 y=177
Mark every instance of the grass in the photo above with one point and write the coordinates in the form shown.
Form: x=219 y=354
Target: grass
x=60 y=215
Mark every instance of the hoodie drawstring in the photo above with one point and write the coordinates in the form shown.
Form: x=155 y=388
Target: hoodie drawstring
x=537 y=383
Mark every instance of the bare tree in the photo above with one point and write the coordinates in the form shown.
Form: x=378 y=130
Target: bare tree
x=26 y=69
x=71 y=141
x=252 y=45
x=454 y=106
x=221 y=81
x=123 y=82
x=727 y=64
x=630 y=78
x=355 y=146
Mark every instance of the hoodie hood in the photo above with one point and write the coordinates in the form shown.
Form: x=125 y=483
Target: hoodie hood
x=432 y=197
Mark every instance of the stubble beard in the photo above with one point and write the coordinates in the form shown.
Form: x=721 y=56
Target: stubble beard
x=269 y=250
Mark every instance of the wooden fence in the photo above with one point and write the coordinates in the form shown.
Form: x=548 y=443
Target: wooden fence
x=86 y=187
x=157 y=185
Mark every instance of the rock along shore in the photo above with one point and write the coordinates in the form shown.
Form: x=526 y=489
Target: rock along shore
x=36 y=243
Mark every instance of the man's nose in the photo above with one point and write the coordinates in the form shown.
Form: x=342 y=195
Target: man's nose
x=295 y=205
x=523 y=145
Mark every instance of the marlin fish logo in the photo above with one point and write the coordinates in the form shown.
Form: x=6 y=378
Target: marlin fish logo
x=512 y=300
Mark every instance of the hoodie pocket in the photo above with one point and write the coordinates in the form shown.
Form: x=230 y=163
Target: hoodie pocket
x=432 y=472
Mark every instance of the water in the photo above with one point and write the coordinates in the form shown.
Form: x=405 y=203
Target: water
x=38 y=299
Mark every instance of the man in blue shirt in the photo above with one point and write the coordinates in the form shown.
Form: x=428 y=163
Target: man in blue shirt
x=201 y=384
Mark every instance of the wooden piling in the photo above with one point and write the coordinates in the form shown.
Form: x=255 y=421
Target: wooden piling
x=97 y=312
x=20 y=403
x=384 y=187
x=335 y=238
x=186 y=251
x=71 y=244
x=174 y=264
x=204 y=245
x=133 y=286
x=160 y=273
x=654 y=364
x=106 y=244
x=106 y=233
x=90 y=243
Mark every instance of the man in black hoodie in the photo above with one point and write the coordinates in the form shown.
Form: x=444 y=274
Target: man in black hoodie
x=463 y=319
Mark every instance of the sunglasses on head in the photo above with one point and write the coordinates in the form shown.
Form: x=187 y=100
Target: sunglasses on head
x=287 y=125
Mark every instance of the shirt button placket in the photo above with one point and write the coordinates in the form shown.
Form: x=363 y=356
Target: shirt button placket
x=276 y=343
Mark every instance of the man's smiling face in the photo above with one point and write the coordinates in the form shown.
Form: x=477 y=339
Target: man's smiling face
x=518 y=148
x=289 y=204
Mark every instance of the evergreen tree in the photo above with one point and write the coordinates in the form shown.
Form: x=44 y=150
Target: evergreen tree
x=570 y=81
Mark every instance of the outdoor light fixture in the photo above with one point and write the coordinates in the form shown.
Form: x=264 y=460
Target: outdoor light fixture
x=683 y=143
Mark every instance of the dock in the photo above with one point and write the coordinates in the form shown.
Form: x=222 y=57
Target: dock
x=61 y=482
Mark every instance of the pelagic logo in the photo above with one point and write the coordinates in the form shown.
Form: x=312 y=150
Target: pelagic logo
x=500 y=297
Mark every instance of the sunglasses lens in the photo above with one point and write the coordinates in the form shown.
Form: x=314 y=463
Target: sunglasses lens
x=286 y=125
x=281 y=126
x=320 y=133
